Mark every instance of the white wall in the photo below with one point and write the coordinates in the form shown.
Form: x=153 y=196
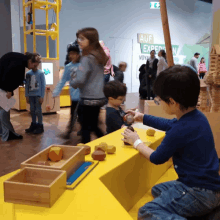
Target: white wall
x=15 y=25
x=189 y=20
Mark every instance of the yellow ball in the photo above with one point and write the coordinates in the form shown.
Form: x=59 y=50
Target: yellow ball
x=151 y=132
x=111 y=149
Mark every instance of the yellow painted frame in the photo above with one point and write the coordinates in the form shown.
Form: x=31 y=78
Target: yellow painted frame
x=56 y=6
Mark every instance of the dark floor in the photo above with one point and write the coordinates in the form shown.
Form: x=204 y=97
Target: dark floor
x=16 y=151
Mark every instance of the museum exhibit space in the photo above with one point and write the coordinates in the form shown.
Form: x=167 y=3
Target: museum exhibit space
x=105 y=178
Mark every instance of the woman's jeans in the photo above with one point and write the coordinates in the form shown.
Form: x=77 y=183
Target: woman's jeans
x=36 y=111
x=73 y=115
x=5 y=125
x=88 y=116
x=106 y=80
x=175 y=201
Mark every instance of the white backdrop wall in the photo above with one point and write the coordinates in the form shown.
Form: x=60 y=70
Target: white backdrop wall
x=117 y=19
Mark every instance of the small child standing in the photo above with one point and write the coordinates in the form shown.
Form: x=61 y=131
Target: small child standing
x=70 y=70
x=34 y=93
x=115 y=92
x=119 y=71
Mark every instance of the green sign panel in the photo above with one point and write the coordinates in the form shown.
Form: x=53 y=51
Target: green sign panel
x=146 y=48
x=154 y=5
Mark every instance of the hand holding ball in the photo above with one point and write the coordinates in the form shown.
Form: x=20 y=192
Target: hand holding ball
x=132 y=129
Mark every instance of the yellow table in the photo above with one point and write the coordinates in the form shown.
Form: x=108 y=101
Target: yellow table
x=108 y=192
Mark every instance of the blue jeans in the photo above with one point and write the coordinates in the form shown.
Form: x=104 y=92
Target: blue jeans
x=36 y=111
x=5 y=125
x=175 y=201
x=106 y=80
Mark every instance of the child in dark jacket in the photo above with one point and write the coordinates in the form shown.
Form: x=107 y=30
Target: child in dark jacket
x=189 y=142
x=115 y=92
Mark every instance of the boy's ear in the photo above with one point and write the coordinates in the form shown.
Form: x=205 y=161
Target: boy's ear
x=110 y=98
x=172 y=101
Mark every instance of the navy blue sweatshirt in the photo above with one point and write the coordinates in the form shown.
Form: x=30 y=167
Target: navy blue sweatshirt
x=190 y=143
x=114 y=119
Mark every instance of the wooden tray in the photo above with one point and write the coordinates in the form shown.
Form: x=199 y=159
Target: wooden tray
x=73 y=158
x=32 y=186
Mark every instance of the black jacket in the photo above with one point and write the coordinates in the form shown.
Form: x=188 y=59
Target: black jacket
x=143 y=81
x=12 y=71
x=152 y=71
x=119 y=75
x=142 y=73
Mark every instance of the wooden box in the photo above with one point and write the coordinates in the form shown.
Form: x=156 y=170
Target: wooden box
x=73 y=158
x=151 y=108
x=38 y=187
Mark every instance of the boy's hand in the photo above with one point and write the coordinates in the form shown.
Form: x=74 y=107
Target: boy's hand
x=9 y=95
x=41 y=100
x=123 y=126
x=27 y=100
x=130 y=136
x=138 y=117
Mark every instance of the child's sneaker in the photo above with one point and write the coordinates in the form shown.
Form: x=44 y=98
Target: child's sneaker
x=39 y=129
x=31 y=128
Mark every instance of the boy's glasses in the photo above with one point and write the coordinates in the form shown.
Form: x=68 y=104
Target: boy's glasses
x=157 y=101
x=79 y=39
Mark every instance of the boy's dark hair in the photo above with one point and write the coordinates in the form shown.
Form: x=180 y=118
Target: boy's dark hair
x=115 y=89
x=121 y=64
x=153 y=51
x=163 y=54
x=34 y=57
x=196 y=54
x=74 y=49
x=180 y=83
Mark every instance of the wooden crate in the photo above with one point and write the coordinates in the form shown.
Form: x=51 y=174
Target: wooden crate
x=38 y=187
x=73 y=158
x=151 y=108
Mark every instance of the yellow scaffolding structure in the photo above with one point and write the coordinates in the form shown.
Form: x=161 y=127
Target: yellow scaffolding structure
x=53 y=33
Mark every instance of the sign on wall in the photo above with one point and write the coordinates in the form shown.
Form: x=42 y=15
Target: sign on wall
x=146 y=48
x=145 y=38
x=154 y=5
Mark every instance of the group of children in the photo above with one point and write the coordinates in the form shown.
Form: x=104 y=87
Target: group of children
x=189 y=139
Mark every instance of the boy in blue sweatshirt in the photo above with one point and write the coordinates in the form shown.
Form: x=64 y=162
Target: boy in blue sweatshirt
x=189 y=142
x=34 y=92
x=69 y=71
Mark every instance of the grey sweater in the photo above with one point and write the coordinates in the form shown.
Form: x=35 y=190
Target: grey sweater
x=89 y=79
x=193 y=63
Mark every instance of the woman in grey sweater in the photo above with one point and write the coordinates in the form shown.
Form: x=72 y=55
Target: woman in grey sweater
x=89 y=80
